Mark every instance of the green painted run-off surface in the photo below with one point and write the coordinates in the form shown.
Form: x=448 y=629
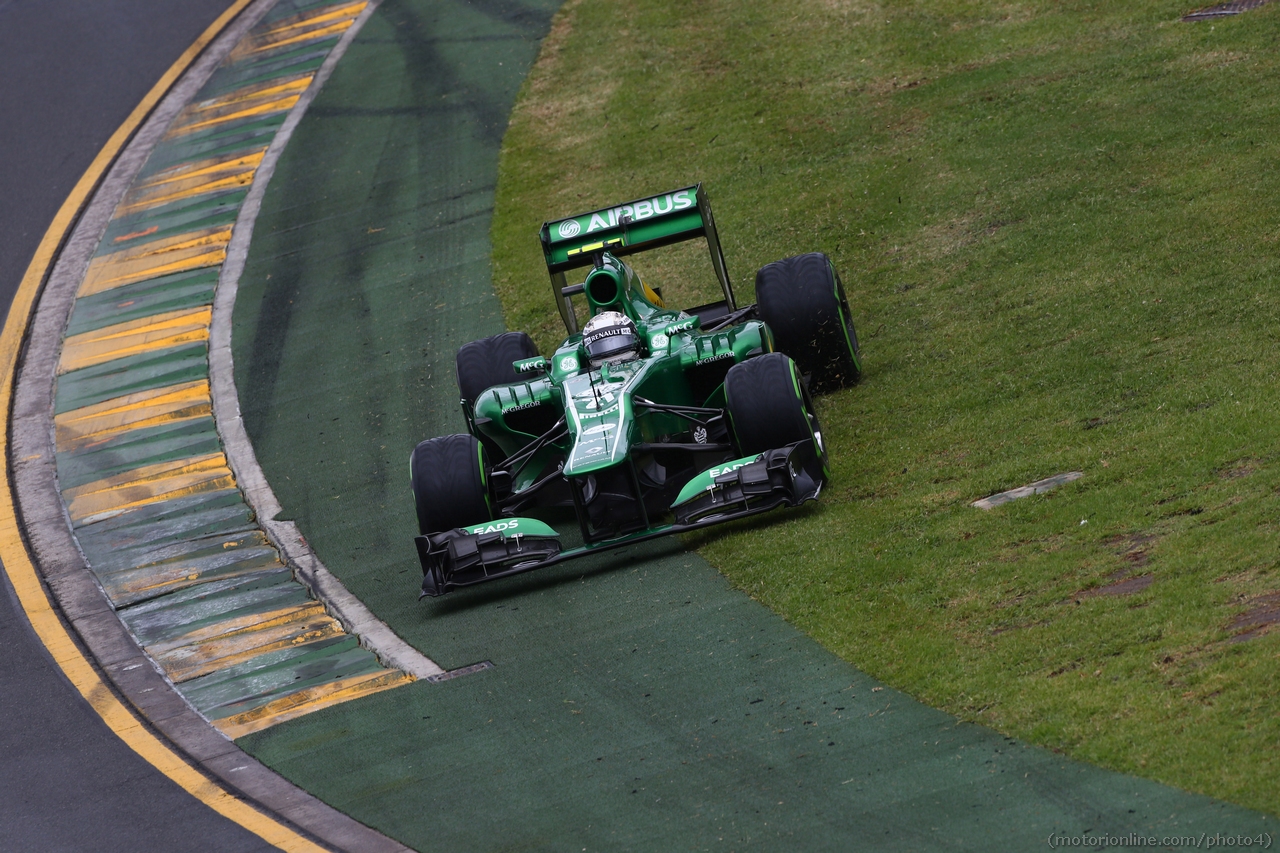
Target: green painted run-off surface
x=637 y=701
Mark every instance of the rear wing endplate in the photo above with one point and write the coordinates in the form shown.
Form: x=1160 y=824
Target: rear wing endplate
x=626 y=229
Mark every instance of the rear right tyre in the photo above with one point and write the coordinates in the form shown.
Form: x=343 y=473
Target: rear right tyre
x=487 y=362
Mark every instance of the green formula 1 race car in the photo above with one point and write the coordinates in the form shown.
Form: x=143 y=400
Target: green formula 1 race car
x=648 y=420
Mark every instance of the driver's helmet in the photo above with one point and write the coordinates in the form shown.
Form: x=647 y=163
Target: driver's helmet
x=610 y=337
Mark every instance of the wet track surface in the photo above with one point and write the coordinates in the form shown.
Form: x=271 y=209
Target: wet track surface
x=71 y=73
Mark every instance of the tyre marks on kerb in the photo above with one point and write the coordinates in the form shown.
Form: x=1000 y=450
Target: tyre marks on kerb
x=153 y=502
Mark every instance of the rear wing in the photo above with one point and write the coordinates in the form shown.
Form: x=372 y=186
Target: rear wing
x=626 y=229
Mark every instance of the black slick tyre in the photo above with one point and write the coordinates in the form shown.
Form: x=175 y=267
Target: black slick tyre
x=487 y=362
x=803 y=302
x=769 y=406
x=450 y=483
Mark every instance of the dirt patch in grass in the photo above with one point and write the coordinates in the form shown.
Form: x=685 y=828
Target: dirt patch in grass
x=1120 y=583
x=1262 y=614
x=1242 y=469
x=1132 y=547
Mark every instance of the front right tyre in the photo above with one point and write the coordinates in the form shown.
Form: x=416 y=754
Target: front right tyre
x=449 y=476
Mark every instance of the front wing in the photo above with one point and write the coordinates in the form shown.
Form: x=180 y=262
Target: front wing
x=788 y=476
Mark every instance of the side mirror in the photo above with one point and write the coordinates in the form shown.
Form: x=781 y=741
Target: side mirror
x=531 y=366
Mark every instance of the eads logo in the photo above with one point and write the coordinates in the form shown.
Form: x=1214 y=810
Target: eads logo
x=503 y=527
x=731 y=467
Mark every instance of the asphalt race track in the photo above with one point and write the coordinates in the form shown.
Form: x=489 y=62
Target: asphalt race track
x=71 y=72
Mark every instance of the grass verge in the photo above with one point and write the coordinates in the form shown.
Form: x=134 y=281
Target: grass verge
x=1056 y=221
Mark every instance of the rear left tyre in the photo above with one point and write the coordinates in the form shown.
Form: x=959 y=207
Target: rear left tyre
x=803 y=302
x=449 y=476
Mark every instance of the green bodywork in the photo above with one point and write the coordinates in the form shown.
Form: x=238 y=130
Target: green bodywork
x=633 y=435
x=509 y=527
x=639 y=443
x=598 y=404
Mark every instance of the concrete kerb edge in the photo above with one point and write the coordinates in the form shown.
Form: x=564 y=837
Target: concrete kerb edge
x=374 y=634
x=82 y=602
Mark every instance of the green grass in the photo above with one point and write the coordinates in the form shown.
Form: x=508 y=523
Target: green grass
x=1057 y=224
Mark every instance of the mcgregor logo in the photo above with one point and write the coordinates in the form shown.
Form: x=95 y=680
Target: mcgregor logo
x=569 y=228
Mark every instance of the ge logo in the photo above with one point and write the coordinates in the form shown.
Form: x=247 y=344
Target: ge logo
x=660 y=341
x=568 y=363
x=569 y=228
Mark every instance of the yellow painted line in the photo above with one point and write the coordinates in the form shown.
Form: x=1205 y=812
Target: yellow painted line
x=82 y=427
x=13 y=553
x=208 y=166
x=281 y=105
x=313 y=18
x=309 y=35
x=188 y=260
x=244 y=626
x=149 y=582
x=193 y=662
x=301 y=27
x=147 y=334
x=312 y=699
x=192 y=180
x=188 y=240
x=257 y=100
x=189 y=189
x=147 y=485
x=254 y=92
x=179 y=253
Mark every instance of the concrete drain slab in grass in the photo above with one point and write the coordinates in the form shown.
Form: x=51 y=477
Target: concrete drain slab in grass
x=1036 y=488
x=1223 y=10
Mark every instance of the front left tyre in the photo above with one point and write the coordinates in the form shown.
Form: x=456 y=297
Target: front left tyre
x=769 y=406
x=449 y=476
